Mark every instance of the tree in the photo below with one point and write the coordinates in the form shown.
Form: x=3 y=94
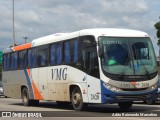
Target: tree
x=0 y=71
x=157 y=26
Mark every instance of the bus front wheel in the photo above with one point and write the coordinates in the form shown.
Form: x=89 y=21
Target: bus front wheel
x=77 y=100
x=150 y=102
x=125 y=105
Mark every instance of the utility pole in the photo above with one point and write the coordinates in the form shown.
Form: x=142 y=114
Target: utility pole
x=25 y=39
x=159 y=48
x=14 y=41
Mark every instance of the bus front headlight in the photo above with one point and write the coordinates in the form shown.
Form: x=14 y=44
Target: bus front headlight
x=111 y=87
x=153 y=87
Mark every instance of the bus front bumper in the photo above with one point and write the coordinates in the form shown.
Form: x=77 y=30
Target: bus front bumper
x=109 y=96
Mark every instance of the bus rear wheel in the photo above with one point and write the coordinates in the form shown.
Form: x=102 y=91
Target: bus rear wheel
x=125 y=105
x=61 y=103
x=77 y=100
x=25 y=98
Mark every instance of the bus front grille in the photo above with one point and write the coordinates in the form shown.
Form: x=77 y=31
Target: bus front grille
x=137 y=97
x=137 y=89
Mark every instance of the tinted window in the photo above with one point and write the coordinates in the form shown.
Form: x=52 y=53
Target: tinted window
x=71 y=51
x=8 y=63
x=43 y=57
x=14 y=60
x=4 y=62
x=59 y=53
x=53 y=54
x=67 y=55
x=32 y=57
x=22 y=59
x=56 y=54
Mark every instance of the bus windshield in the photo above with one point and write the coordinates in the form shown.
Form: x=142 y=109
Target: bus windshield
x=128 y=56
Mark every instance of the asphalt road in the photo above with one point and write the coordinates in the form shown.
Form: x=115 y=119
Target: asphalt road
x=52 y=110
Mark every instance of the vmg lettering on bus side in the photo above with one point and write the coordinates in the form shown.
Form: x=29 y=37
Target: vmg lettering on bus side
x=59 y=74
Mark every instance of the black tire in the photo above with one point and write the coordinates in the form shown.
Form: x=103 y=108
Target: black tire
x=125 y=105
x=150 y=102
x=61 y=103
x=77 y=100
x=25 y=97
x=34 y=102
x=145 y=102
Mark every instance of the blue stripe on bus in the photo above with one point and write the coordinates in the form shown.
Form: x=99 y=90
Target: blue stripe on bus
x=29 y=84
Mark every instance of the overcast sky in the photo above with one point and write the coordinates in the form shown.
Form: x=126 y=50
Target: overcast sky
x=37 y=18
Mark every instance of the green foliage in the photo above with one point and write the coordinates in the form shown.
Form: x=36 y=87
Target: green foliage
x=0 y=71
x=0 y=56
x=157 y=25
x=158 y=33
x=158 y=43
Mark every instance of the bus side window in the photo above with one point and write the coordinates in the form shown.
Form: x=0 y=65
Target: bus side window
x=71 y=51
x=53 y=54
x=8 y=62
x=67 y=55
x=32 y=58
x=22 y=59
x=56 y=53
x=5 y=62
x=14 y=61
x=43 y=57
x=59 y=53
x=29 y=58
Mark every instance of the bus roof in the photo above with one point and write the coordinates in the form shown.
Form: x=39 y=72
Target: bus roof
x=111 y=32
x=114 y=32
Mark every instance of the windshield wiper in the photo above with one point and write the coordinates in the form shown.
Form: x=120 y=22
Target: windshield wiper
x=147 y=73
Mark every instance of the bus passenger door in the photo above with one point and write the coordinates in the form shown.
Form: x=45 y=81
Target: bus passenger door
x=93 y=81
x=91 y=68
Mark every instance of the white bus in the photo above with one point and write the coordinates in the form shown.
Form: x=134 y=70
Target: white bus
x=105 y=65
